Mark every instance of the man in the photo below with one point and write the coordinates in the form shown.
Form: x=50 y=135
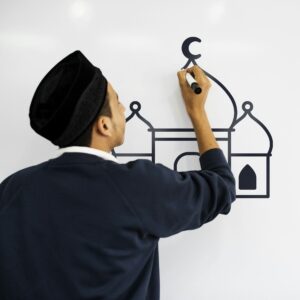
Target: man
x=84 y=226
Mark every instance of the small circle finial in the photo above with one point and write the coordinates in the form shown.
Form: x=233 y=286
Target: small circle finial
x=247 y=106
x=135 y=106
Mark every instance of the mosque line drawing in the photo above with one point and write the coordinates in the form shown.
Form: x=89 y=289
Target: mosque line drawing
x=251 y=167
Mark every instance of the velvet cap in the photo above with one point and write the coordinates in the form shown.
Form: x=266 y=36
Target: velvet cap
x=68 y=99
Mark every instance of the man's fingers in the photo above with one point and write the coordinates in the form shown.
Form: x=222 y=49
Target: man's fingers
x=200 y=75
x=198 y=71
x=181 y=76
x=194 y=69
x=181 y=72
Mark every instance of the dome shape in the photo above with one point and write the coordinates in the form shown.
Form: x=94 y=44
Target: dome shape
x=250 y=135
x=220 y=104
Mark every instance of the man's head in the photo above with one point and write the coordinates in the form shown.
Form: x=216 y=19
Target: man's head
x=67 y=101
x=108 y=129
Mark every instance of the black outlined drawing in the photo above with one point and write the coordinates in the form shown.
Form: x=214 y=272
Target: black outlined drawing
x=251 y=169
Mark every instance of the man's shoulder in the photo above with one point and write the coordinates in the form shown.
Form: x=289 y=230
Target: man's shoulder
x=24 y=174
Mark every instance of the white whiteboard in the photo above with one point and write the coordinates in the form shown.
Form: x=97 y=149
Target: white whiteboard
x=252 y=49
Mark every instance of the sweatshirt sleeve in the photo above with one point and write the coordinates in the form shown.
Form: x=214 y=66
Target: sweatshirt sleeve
x=168 y=202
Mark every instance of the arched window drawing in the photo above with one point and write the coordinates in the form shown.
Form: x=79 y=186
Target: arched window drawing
x=247 y=179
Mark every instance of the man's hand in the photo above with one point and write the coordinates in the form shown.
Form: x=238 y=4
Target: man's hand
x=194 y=102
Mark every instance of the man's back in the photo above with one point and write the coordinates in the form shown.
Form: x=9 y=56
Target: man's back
x=82 y=227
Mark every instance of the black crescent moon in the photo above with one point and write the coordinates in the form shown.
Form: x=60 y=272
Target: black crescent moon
x=185 y=48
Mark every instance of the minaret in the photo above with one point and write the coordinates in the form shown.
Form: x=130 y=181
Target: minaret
x=251 y=147
x=138 y=140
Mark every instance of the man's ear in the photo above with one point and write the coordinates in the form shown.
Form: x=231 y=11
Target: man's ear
x=104 y=126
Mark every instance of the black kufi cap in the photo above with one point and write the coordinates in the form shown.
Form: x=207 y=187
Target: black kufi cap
x=68 y=99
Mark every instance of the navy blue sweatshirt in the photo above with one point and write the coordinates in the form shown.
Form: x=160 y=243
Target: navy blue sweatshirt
x=82 y=227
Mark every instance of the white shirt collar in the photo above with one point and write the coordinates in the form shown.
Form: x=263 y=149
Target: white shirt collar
x=89 y=150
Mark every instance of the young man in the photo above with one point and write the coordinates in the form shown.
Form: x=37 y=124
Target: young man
x=84 y=226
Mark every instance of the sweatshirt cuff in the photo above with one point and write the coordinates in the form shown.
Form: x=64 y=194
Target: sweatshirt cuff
x=212 y=158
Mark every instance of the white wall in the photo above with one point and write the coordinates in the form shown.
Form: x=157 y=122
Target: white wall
x=251 y=47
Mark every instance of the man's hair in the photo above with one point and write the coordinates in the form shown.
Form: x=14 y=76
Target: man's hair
x=85 y=138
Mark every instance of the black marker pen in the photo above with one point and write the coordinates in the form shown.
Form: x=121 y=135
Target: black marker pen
x=193 y=83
